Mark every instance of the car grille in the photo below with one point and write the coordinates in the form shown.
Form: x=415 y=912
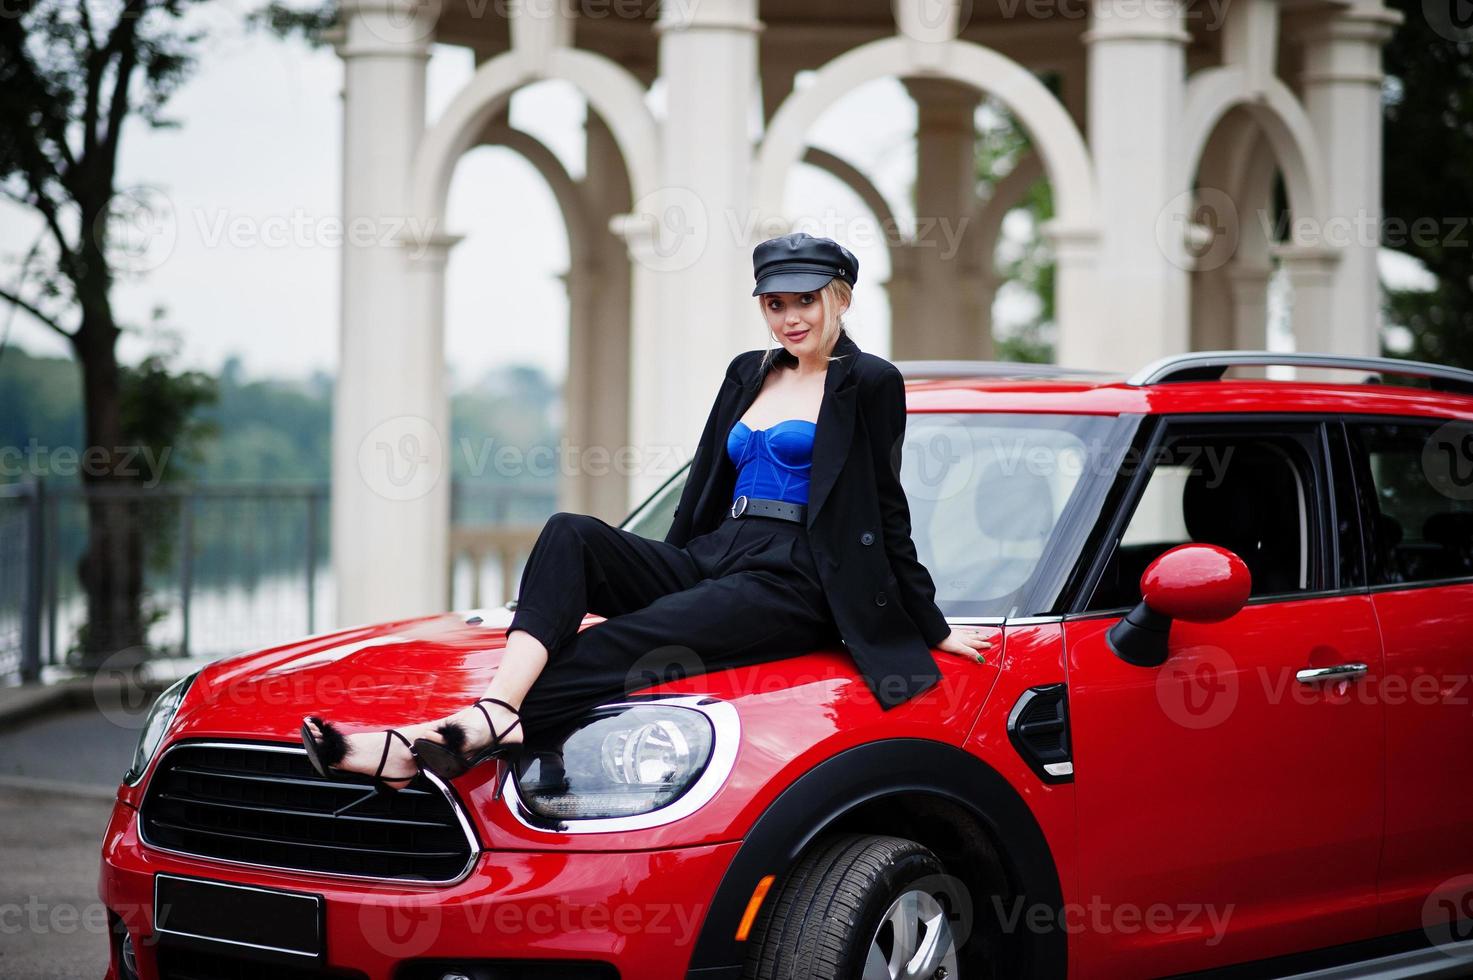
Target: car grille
x=265 y=805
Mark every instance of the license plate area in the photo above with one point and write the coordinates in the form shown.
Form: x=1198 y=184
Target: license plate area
x=259 y=923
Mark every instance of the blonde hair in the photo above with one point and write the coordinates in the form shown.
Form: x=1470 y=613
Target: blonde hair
x=833 y=294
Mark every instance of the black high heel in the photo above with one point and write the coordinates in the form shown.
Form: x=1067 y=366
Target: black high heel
x=447 y=761
x=325 y=753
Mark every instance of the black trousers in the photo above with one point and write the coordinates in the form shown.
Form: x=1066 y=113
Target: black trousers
x=744 y=593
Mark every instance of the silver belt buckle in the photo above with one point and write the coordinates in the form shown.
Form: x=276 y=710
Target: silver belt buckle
x=739 y=506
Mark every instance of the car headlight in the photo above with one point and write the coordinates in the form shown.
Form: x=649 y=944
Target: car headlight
x=660 y=760
x=155 y=726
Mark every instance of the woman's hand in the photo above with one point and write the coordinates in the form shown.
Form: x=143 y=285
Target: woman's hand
x=966 y=641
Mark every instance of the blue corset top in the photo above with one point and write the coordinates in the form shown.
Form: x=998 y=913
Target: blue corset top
x=772 y=463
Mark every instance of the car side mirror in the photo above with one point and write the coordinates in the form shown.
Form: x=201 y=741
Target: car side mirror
x=1200 y=583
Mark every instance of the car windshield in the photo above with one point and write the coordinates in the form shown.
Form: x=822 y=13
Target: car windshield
x=988 y=494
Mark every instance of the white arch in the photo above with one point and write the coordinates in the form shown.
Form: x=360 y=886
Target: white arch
x=855 y=179
x=611 y=91
x=1211 y=94
x=1058 y=141
x=1007 y=194
x=565 y=190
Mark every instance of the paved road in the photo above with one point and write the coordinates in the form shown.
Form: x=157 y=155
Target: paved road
x=52 y=924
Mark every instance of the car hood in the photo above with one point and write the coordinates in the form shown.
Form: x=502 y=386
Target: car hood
x=368 y=677
x=396 y=673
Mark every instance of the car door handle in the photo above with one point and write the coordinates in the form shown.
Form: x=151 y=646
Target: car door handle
x=1339 y=672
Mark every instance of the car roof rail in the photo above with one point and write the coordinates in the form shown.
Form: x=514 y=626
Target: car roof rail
x=1210 y=365
x=991 y=369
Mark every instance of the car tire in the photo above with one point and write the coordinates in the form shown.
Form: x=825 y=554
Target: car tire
x=842 y=914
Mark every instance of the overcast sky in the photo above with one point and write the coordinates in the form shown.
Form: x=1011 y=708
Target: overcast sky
x=241 y=253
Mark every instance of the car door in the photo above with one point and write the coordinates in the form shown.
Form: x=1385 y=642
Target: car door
x=1229 y=805
x=1415 y=478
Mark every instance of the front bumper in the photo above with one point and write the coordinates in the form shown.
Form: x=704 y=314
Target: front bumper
x=639 y=912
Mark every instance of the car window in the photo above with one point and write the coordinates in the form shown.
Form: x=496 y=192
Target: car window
x=1418 y=499
x=986 y=492
x=652 y=519
x=1249 y=493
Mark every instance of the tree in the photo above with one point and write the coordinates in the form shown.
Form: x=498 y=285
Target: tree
x=1429 y=176
x=71 y=75
x=1029 y=260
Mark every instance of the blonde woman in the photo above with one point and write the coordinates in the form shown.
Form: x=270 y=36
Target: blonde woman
x=792 y=533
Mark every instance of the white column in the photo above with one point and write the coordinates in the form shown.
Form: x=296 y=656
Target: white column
x=1313 y=277
x=695 y=240
x=597 y=389
x=1136 y=82
x=390 y=461
x=1249 y=283
x=946 y=177
x=1079 y=341
x=1342 y=94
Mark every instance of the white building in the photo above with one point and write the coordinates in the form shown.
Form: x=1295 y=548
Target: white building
x=1173 y=124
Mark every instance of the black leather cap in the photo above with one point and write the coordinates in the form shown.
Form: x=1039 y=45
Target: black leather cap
x=801 y=263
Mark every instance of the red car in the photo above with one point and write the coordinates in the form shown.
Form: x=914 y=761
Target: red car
x=1225 y=726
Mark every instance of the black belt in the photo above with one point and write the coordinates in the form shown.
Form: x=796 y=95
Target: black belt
x=745 y=506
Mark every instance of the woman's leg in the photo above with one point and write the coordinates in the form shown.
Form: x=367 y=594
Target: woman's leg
x=578 y=565
x=741 y=618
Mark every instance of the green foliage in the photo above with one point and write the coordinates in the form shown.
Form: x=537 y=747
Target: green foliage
x=307 y=23
x=160 y=411
x=1001 y=145
x=1428 y=103
x=40 y=405
x=231 y=429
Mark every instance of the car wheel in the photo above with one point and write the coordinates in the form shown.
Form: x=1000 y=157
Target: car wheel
x=859 y=906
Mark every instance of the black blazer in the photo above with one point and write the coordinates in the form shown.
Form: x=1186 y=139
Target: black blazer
x=882 y=597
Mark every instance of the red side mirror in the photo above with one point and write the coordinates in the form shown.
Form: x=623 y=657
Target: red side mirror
x=1200 y=583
